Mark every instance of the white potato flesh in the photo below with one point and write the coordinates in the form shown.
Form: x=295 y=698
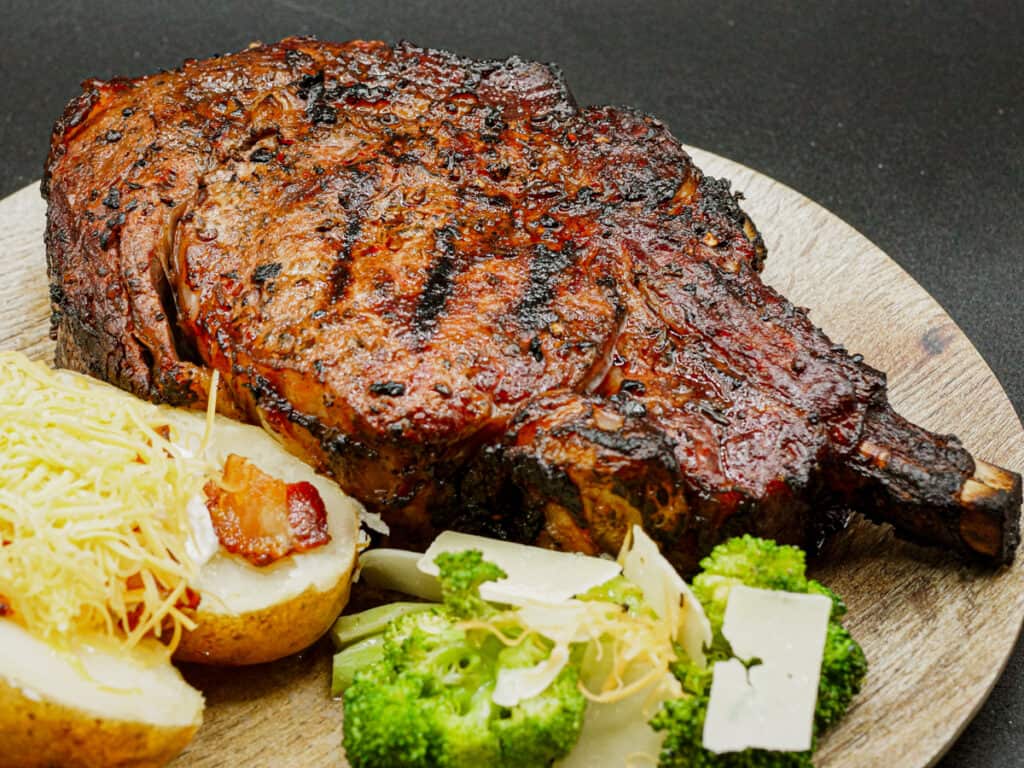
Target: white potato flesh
x=99 y=679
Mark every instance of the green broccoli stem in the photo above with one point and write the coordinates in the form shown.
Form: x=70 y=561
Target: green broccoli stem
x=356 y=657
x=357 y=626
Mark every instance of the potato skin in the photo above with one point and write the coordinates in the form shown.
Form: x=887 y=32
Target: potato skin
x=44 y=734
x=267 y=634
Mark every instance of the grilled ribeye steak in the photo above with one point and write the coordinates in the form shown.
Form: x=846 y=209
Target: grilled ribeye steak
x=477 y=305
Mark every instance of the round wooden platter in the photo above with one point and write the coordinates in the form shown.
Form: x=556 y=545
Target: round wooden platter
x=913 y=610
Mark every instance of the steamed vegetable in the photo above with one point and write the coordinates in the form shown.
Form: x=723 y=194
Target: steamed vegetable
x=615 y=669
x=766 y=565
x=427 y=701
x=354 y=627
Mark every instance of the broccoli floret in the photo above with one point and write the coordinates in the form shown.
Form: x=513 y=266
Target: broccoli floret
x=619 y=591
x=843 y=668
x=538 y=731
x=696 y=680
x=384 y=722
x=461 y=575
x=758 y=563
x=427 y=701
x=683 y=720
x=747 y=560
x=761 y=564
x=461 y=729
x=764 y=564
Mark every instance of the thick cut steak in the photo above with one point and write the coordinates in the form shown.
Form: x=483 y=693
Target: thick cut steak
x=477 y=305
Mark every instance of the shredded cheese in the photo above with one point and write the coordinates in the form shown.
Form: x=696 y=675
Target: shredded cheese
x=93 y=508
x=625 y=652
x=211 y=411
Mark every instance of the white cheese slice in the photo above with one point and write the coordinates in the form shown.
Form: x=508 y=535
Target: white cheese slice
x=559 y=622
x=534 y=574
x=771 y=704
x=563 y=624
x=667 y=594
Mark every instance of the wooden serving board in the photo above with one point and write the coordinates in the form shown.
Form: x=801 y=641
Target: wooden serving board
x=937 y=632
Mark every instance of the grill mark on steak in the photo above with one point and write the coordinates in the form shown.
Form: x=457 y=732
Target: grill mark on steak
x=341 y=272
x=312 y=91
x=360 y=187
x=528 y=318
x=440 y=281
x=546 y=267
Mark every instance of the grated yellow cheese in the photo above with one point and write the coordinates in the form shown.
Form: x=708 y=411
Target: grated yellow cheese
x=93 y=520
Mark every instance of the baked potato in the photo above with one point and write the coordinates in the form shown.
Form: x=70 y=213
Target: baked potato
x=251 y=614
x=97 y=705
x=113 y=557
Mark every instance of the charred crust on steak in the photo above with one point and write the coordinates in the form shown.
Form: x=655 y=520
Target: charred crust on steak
x=267 y=271
x=387 y=388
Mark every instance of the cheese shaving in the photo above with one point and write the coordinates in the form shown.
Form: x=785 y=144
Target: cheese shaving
x=93 y=500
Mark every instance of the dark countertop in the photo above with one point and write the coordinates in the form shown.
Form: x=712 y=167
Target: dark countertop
x=906 y=120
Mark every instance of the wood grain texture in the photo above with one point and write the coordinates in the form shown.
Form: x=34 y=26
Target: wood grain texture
x=914 y=611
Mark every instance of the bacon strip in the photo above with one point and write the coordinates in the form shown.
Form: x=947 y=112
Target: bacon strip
x=261 y=518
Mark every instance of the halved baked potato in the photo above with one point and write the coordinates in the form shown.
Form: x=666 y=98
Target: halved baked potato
x=97 y=705
x=252 y=614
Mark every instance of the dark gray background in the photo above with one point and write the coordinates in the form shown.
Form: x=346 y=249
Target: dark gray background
x=905 y=119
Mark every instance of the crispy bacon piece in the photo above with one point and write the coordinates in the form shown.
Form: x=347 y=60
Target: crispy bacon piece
x=307 y=516
x=5 y=607
x=262 y=518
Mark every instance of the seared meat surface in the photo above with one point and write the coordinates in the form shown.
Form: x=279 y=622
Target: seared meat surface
x=476 y=305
